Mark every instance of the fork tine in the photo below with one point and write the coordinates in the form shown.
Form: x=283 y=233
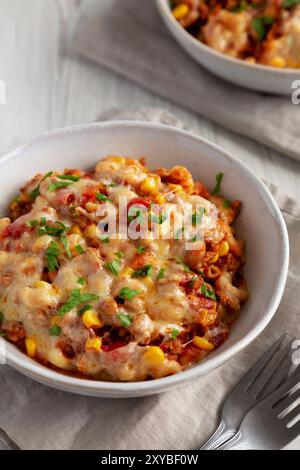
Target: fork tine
x=287 y=401
x=274 y=398
x=294 y=431
x=274 y=373
x=256 y=369
x=270 y=367
x=292 y=414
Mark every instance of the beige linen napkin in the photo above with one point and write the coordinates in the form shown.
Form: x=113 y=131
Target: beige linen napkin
x=37 y=417
x=129 y=37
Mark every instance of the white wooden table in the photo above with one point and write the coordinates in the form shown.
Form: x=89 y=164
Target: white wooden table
x=46 y=89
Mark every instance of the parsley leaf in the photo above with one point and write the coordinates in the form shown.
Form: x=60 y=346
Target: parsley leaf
x=114 y=266
x=1 y=317
x=174 y=333
x=103 y=197
x=55 y=230
x=125 y=319
x=260 y=26
x=143 y=272
x=217 y=188
x=207 y=292
x=161 y=273
x=55 y=330
x=226 y=203
x=77 y=298
x=84 y=309
x=185 y=266
x=289 y=3
x=81 y=281
x=141 y=249
x=36 y=192
x=79 y=249
x=127 y=293
x=58 y=185
x=73 y=178
x=66 y=245
x=119 y=254
x=198 y=216
x=158 y=219
x=51 y=256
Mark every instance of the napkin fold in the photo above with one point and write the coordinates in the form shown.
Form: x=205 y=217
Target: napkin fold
x=37 y=417
x=129 y=37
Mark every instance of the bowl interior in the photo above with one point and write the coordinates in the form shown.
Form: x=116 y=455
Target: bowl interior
x=260 y=222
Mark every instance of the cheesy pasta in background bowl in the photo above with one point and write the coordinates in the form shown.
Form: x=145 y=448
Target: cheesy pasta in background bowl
x=253 y=43
x=92 y=311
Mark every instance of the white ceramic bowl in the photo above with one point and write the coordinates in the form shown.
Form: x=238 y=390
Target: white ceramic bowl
x=254 y=76
x=260 y=224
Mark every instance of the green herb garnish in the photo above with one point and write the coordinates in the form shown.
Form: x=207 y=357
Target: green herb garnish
x=207 y=292
x=192 y=282
x=114 y=267
x=75 y=299
x=55 y=230
x=158 y=219
x=104 y=238
x=161 y=273
x=226 y=203
x=289 y=3
x=175 y=333
x=1 y=317
x=217 y=188
x=58 y=185
x=141 y=249
x=185 y=266
x=198 y=216
x=36 y=192
x=128 y=294
x=84 y=309
x=143 y=272
x=260 y=26
x=55 y=330
x=79 y=249
x=119 y=254
x=66 y=245
x=73 y=178
x=103 y=197
x=51 y=256
x=32 y=223
x=81 y=281
x=125 y=319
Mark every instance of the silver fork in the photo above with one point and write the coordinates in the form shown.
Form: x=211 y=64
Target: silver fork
x=271 y=424
x=263 y=378
x=6 y=443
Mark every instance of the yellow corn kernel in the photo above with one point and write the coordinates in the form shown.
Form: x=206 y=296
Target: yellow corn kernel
x=91 y=231
x=148 y=282
x=91 y=206
x=202 y=343
x=127 y=272
x=176 y=188
x=75 y=230
x=91 y=320
x=224 y=248
x=93 y=344
x=31 y=346
x=148 y=185
x=160 y=199
x=180 y=11
x=278 y=62
x=155 y=355
x=116 y=159
x=43 y=285
x=214 y=259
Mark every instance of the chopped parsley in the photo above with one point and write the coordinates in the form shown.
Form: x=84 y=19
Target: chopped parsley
x=193 y=281
x=143 y=272
x=128 y=294
x=161 y=273
x=125 y=319
x=103 y=198
x=55 y=330
x=260 y=26
x=55 y=230
x=207 y=292
x=217 y=187
x=58 y=185
x=32 y=223
x=73 y=178
x=81 y=281
x=84 y=309
x=104 y=238
x=175 y=333
x=141 y=249
x=1 y=317
x=114 y=267
x=36 y=192
x=51 y=256
x=178 y=234
x=119 y=254
x=76 y=298
x=79 y=249
x=158 y=219
x=66 y=245
x=289 y=3
x=185 y=266
x=226 y=203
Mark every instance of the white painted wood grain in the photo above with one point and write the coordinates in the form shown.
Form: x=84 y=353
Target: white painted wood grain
x=47 y=89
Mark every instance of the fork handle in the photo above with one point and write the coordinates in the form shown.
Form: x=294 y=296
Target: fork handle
x=218 y=438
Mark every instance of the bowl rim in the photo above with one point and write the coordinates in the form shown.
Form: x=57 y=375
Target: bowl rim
x=167 y=14
x=55 y=379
